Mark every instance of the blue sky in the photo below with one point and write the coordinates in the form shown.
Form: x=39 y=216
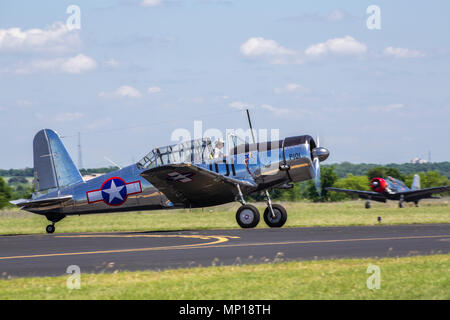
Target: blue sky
x=138 y=70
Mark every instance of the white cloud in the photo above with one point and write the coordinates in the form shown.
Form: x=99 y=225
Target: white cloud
x=340 y=46
x=78 y=64
x=276 y=111
x=259 y=46
x=389 y=107
x=336 y=15
x=150 y=3
x=269 y=49
x=291 y=87
x=112 y=63
x=240 y=105
x=153 y=90
x=122 y=92
x=403 y=53
x=57 y=37
x=72 y=65
x=68 y=116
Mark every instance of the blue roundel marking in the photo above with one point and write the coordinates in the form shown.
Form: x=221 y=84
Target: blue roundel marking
x=114 y=192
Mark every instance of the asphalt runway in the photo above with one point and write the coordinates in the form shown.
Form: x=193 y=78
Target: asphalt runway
x=50 y=255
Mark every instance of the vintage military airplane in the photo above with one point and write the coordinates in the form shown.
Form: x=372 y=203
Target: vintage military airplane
x=394 y=189
x=179 y=176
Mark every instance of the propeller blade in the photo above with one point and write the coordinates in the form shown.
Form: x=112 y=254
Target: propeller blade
x=317 y=181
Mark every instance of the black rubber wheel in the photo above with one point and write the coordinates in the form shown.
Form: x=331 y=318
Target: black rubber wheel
x=50 y=228
x=280 y=216
x=416 y=203
x=367 y=205
x=247 y=216
x=401 y=205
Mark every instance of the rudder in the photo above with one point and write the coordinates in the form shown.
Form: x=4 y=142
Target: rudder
x=416 y=182
x=53 y=167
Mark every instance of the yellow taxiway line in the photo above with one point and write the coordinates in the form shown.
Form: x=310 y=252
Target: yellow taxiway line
x=213 y=244
x=218 y=239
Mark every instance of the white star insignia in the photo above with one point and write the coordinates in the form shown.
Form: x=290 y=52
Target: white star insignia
x=114 y=192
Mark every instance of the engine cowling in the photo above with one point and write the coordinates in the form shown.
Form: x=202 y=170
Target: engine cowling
x=378 y=185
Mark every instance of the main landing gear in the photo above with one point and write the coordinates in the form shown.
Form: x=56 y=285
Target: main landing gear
x=248 y=216
x=400 y=203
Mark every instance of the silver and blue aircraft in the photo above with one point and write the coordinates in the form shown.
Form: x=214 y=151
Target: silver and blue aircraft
x=186 y=175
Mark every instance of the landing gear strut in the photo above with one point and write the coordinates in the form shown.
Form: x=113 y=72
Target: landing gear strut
x=400 y=203
x=275 y=215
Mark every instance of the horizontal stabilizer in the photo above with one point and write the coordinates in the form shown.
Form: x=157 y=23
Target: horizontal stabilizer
x=27 y=204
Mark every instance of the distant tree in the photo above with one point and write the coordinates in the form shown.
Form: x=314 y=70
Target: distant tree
x=23 y=192
x=328 y=177
x=350 y=182
x=428 y=179
x=383 y=172
x=5 y=194
x=17 y=180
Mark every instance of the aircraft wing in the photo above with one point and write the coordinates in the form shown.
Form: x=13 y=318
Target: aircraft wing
x=362 y=194
x=423 y=193
x=192 y=186
x=27 y=204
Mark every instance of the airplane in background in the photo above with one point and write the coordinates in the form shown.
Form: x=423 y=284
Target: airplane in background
x=179 y=176
x=394 y=189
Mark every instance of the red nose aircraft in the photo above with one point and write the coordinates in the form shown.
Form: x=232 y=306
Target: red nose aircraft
x=393 y=189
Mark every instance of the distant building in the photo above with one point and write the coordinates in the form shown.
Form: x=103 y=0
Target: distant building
x=418 y=160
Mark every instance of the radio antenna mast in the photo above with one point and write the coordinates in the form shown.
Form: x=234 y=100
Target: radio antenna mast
x=250 y=123
x=80 y=156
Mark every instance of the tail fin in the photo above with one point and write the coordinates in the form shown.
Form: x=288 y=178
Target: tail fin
x=416 y=182
x=53 y=167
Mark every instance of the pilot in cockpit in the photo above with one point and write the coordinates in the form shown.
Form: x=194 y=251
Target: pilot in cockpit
x=218 y=149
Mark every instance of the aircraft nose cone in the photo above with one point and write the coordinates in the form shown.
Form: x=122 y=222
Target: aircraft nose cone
x=321 y=153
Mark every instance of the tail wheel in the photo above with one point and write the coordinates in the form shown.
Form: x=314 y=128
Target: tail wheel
x=280 y=216
x=247 y=216
x=50 y=228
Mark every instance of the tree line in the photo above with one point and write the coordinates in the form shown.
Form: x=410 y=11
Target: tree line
x=344 y=175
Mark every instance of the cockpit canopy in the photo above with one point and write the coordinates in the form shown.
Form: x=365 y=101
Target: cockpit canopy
x=194 y=151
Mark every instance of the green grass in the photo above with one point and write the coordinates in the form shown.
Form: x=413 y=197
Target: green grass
x=300 y=214
x=420 y=277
